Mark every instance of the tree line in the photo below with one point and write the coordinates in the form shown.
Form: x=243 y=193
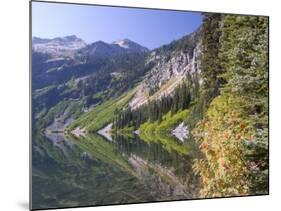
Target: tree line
x=235 y=124
x=154 y=110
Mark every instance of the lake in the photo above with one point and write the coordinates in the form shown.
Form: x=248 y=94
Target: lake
x=92 y=170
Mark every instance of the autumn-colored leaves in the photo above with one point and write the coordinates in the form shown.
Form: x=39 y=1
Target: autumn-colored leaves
x=220 y=134
x=233 y=135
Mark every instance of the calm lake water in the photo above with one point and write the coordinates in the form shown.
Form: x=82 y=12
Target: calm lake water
x=94 y=171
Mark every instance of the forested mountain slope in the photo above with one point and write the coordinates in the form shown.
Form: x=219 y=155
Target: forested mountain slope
x=65 y=86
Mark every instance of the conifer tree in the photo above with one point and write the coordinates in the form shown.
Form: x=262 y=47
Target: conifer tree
x=210 y=62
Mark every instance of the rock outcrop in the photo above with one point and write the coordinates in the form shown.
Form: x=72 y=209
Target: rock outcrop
x=169 y=70
x=181 y=132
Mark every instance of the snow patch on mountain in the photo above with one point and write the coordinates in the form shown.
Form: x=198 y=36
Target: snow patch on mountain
x=130 y=45
x=59 y=46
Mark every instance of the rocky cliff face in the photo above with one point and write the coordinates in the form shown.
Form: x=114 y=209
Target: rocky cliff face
x=176 y=64
x=169 y=70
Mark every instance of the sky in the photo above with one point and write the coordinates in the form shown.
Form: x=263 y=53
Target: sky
x=150 y=28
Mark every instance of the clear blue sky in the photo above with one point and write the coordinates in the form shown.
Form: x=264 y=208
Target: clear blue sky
x=150 y=28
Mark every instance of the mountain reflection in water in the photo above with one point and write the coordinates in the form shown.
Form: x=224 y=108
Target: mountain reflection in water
x=68 y=171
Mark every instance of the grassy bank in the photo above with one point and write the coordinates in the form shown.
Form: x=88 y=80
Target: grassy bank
x=101 y=114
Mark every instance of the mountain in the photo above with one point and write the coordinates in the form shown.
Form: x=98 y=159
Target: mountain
x=168 y=80
x=172 y=64
x=102 y=49
x=59 y=46
x=75 y=48
x=67 y=72
x=130 y=45
x=57 y=60
x=102 y=71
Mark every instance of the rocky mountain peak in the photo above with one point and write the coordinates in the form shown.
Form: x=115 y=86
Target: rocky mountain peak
x=58 y=46
x=101 y=49
x=131 y=45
